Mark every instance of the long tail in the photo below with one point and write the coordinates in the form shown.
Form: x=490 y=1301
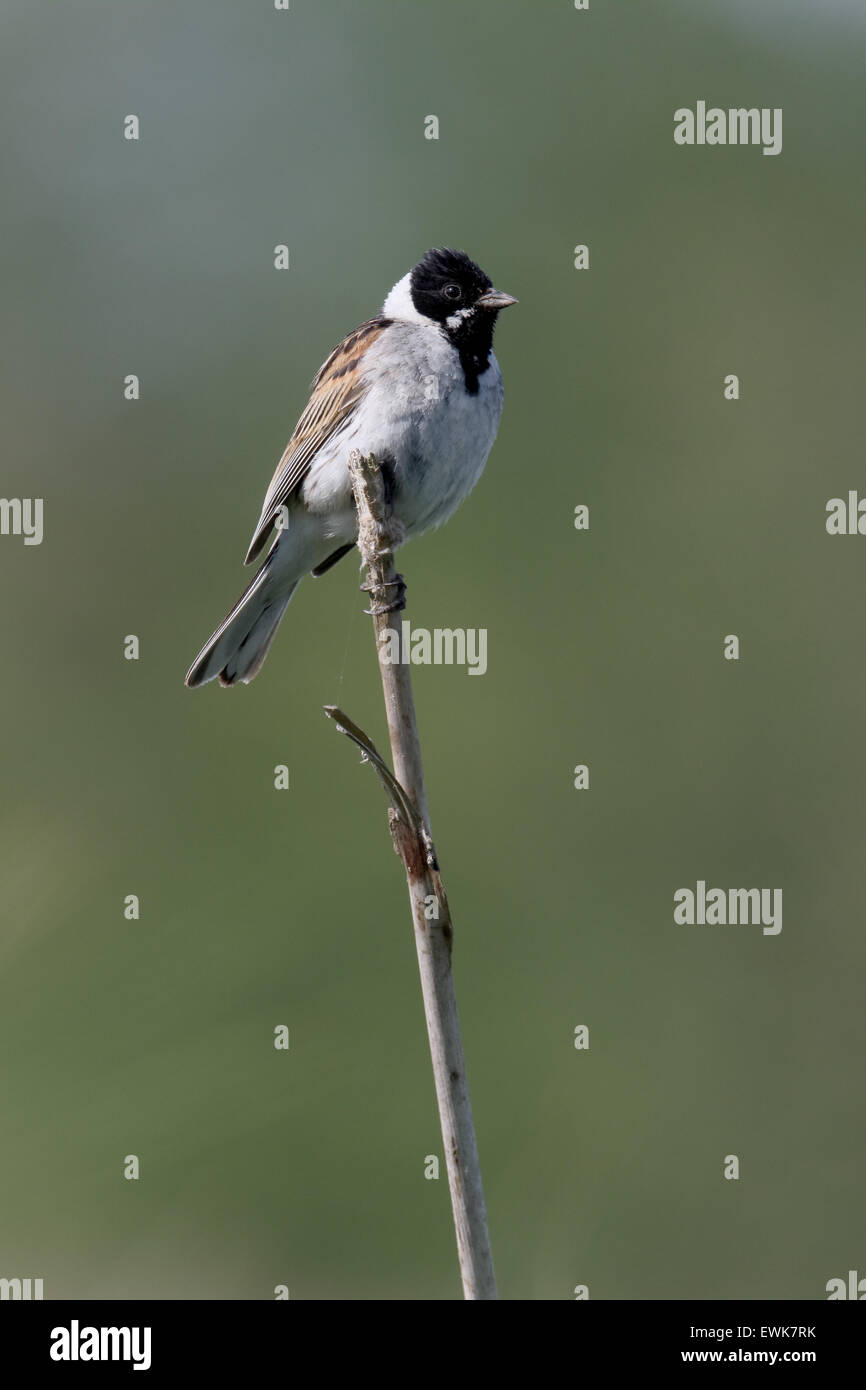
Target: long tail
x=240 y=644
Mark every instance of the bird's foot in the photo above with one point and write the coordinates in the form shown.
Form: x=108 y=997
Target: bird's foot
x=398 y=583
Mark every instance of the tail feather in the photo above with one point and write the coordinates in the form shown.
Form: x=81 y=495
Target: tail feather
x=240 y=644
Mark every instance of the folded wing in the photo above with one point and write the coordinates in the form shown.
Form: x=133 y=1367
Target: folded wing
x=337 y=389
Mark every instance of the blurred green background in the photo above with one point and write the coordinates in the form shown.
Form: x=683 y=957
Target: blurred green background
x=261 y=907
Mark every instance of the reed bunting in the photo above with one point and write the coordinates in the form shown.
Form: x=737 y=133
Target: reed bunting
x=419 y=387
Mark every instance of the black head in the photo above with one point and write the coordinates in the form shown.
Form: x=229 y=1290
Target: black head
x=444 y=282
x=449 y=288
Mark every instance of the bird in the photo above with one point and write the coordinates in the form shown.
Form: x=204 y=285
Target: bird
x=419 y=387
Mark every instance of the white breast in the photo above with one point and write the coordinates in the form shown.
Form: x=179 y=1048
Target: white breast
x=419 y=413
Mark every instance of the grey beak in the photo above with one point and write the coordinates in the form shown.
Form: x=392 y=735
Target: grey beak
x=495 y=299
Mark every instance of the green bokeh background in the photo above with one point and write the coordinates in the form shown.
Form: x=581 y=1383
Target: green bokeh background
x=262 y=907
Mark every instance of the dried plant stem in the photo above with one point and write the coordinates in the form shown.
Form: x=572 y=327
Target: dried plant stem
x=410 y=827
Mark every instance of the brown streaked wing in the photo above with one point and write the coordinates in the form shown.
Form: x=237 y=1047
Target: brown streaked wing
x=337 y=388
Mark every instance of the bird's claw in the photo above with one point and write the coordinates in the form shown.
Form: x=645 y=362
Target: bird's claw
x=399 y=583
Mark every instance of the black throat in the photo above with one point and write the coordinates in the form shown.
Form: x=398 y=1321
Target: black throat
x=473 y=339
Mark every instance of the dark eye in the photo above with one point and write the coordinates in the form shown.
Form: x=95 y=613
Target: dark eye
x=452 y=292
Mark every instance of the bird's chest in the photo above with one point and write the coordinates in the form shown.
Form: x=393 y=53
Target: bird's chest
x=436 y=430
